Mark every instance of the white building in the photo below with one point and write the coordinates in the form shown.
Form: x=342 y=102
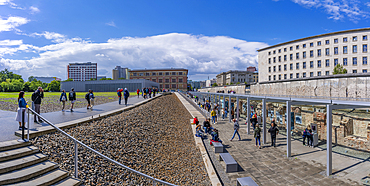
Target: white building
x=210 y=82
x=82 y=71
x=315 y=56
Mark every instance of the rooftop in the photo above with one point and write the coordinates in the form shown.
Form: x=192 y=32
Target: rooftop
x=160 y=69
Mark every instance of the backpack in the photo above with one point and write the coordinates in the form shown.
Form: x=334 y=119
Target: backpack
x=119 y=94
x=71 y=95
x=87 y=96
x=33 y=97
x=126 y=94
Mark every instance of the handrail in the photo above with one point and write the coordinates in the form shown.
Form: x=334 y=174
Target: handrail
x=98 y=153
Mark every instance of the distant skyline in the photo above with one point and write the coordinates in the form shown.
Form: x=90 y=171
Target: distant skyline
x=40 y=38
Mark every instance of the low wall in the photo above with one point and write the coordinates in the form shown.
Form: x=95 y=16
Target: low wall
x=238 y=89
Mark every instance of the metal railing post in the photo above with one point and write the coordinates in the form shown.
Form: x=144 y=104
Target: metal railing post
x=23 y=110
x=28 y=125
x=76 y=159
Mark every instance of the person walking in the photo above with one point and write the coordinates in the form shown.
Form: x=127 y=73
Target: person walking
x=63 y=99
x=257 y=135
x=92 y=99
x=72 y=98
x=126 y=94
x=36 y=98
x=22 y=106
x=273 y=131
x=87 y=97
x=138 y=92
x=254 y=120
x=213 y=114
x=236 y=130
x=119 y=94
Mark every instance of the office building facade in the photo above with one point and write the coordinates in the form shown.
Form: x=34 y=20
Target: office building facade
x=315 y=56
x=119 y=72
x=82 y=71
x=235 y=76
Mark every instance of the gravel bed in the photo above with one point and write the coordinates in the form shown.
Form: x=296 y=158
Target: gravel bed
x=154 y=138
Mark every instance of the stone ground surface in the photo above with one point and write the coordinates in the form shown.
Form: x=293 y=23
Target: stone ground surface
x=269 y=166
x=154 y=138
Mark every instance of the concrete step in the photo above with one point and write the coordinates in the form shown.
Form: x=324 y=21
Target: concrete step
x=46 y=179
x=27 y=173
x=13 y=144
x=69 y=182
x=17 y=153
x=19 y=163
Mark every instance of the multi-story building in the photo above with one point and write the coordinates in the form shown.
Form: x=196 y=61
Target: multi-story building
x=194 y=84
x=210 y=82
x=82 y=71
x=47 y=79
x=251 y=69
x=173 y=78
x=234 y=77
x=315 y=56
x=119 y=72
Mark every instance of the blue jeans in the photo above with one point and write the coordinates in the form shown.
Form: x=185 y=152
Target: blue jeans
x=119 y=100
x=259 y=140
x=236 y=132
x=214 y=119
x=223 y=116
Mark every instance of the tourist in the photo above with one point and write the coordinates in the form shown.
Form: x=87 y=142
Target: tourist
x=199 y=132
x=273 y=131
x=254 y=120
x=215 y=137
x=257 y=135
x=119 y=94
x=150 y=92
x=226 y=111
x=309 y=137
x=232 y=112
x=92 y=98
x=196 y=121
x=22 y=105
x=126 y=94
x=207 y=125
x=223 y=113
x=142 y=92
x=63 y=99
x=87 y=97
x=36 y=98
x=72 y=97
x=236 y=130
x=138 y=92
x=213 y=115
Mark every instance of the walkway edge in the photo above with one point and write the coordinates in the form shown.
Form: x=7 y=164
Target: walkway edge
x=49 y=129
x=199 y=143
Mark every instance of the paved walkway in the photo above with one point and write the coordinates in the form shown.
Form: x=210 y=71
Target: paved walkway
x=8 y=124
x=270 y=166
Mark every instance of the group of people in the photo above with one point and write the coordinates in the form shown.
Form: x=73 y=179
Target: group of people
x=206 y=129
x=72 y=98
x=126 y=94
x=147 y=92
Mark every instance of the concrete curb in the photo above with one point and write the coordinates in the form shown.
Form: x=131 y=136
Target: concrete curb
x=49 y=129
x=199 y=143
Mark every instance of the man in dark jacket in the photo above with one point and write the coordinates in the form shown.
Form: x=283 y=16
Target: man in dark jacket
x=72 y=98
x=207 y=126
x=273 y=131
x=36 y=98
x=126 y=94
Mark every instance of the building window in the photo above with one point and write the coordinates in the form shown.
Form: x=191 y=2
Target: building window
x=134 y=74
x=173 y=85
x=141 y=74
x=147 y=74
x=160 y=80
x=274 y=68
x=167 y=80
x=279 y=50
x=364 y=71
x=269 y=69
x=274 y=59
x=284 y=67
x=284 y=49
x=354 y=71
x=273 y=52
x=345 y=50
x=279 y=68
x=297 y=66
x=335 y=62
x=304 y=74
x=335 y=50
x=291 y=76
x=291 y=56
x=335 y=40
x=326 y=42
x=364 y=60
x=167 y=73
x=291 y=48
x=311 y=64
x=279 y=77
x=311 y=44
x=304 y=45
x=154 y=80
x=180 y=73
x=304 y=55
x=291 y=66
x=297 y=75
x=327 y=63
x=167 y=86
x=344 y=39
x=319 y=63
x=160 y=74
x=274 y=77
x=319 y=52
x=311 y=53
x=153 y=74
x=319 y=43
x=297 y=55
x=318 y=73
x=326 y=73
x=174 y=73
x=284 y=76
x=297 y=47
x=173 y=80
x=364 y=48
x=279 y=58
x=327 y=52
x=269 y=78
x=364 y=38
x=354 y=60
x=269 y=60
x=311 y=74
x=284 y=57
x=304 y=65
x=354 y=38
x=345 y=62
x=354 y=48
x=180 y=80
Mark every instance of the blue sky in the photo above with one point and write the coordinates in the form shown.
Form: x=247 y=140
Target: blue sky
x=40 y=38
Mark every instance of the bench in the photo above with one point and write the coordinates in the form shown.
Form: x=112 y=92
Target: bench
x=246 y=181
x=219 y=148
x=231 y=164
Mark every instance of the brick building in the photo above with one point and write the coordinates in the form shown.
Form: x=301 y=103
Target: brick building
x=173 y=78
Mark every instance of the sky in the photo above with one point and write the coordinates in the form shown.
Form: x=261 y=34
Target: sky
x=40 y=38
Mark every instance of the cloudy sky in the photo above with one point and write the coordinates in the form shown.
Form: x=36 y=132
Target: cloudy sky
x=40 y=38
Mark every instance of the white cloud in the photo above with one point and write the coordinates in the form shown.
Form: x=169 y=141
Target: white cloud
x=11 y=23
x=55 y=37
x=10 y=42
x=367 y=4
x=338 y=10
x=111 y=24
x=34 y=10
x=200 y=54
x=11 y=4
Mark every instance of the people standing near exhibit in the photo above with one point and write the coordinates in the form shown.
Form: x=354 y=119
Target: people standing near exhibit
x=72 y=97
x=232 y=112
x=63 y=99
x=119 y=94
x=138 y=92
x=257 y=135
x=92 y=99
x=236 y=130
x=273 y=131
x=150 y=92
x=254 y=120
x=223 y=113
x=126 y=94
x=22 y=106
x=213 y=115
x=36 y=98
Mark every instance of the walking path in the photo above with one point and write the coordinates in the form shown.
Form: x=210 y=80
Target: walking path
x=8 y=124
x=270 y=166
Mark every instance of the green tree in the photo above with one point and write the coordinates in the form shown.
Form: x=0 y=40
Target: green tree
x=214 y=85
x=238 y=83
x=54 y=86
x=35 y=84
x=5 y=74
x=17 y=85
x=339 y=69
x=121 y=78
x=106 y=79
x=69 y=79
x=26 y=86
x=31 y=78
x=92 y=79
